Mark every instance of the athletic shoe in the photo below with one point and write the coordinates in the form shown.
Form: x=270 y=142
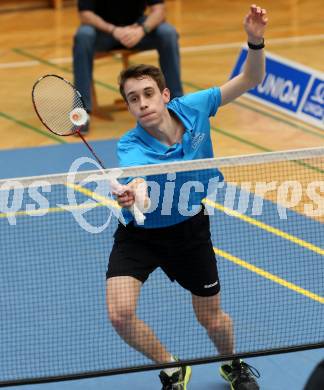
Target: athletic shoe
x=240 y=375
x=177 y=381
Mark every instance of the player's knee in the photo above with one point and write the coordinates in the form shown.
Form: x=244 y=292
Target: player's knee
x=219 y=322
x=121 y=317
x=216 y=326
x=211 y=323
x=213 y=320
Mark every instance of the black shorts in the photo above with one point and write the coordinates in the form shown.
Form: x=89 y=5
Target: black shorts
x=184 y=252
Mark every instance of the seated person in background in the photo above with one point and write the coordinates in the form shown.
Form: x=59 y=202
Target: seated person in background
x=107 y=25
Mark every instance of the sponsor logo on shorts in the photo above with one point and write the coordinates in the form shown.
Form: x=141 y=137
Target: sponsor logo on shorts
x=211 y=285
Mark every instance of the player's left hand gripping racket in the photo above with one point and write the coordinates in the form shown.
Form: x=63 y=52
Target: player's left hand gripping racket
x=60 y=108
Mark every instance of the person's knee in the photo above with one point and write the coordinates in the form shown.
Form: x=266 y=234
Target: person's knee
x=220 y=322
x=167 y=34
x=85 y=36
x=121 y=316
x=213 y=323
x=212 y=317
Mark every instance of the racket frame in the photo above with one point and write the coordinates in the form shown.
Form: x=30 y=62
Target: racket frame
x=137 y=213
x=77 y=131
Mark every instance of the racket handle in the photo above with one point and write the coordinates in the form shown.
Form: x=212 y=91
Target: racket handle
x=137 y=213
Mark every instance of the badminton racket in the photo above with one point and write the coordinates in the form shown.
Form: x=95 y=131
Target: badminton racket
x=59 y=106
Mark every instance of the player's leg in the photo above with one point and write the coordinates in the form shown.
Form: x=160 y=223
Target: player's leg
x=217 y=323
x=219 y=327
x=122 y=298
x=196 y=271
x=131 y=261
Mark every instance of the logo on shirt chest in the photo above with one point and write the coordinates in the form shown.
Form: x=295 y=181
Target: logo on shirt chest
x=196 y=140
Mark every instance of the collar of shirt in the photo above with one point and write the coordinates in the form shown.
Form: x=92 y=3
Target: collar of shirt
x=151 y=141
x=186 y=114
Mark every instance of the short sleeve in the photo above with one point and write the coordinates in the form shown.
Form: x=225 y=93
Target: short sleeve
x=207 y=100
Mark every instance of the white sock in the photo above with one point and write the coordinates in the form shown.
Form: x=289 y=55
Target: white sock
x=171 y=371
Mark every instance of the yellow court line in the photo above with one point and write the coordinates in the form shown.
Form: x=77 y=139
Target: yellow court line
x=224 y=209
x=103 y=202
x=239 y=261
x=102 y=199
x=269 y=276
x=108 y=202
x=264 y=226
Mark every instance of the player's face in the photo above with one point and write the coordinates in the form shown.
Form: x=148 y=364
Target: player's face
x=145 y=101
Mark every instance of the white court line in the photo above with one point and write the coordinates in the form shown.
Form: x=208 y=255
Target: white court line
x=189 y=49
x=20 y=64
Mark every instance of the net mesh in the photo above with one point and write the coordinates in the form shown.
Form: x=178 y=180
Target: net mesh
x=266 y=221
x=54 y=100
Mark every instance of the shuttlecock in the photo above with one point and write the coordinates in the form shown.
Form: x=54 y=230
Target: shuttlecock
x=79 y=116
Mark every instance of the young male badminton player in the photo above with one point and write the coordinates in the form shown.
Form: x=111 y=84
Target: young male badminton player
x=169 y=131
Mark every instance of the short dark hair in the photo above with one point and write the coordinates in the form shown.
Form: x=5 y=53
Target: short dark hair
x=138 y=72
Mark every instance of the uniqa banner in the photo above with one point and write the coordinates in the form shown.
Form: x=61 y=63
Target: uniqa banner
x=289 y=87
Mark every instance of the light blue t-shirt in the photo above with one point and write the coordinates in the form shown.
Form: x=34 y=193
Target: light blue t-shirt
x=175 y=197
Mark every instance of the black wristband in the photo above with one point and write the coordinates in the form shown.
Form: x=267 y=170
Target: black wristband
x=145 y=29
x=256 y=47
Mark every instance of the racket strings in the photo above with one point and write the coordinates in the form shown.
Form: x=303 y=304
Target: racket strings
x=54 y=100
